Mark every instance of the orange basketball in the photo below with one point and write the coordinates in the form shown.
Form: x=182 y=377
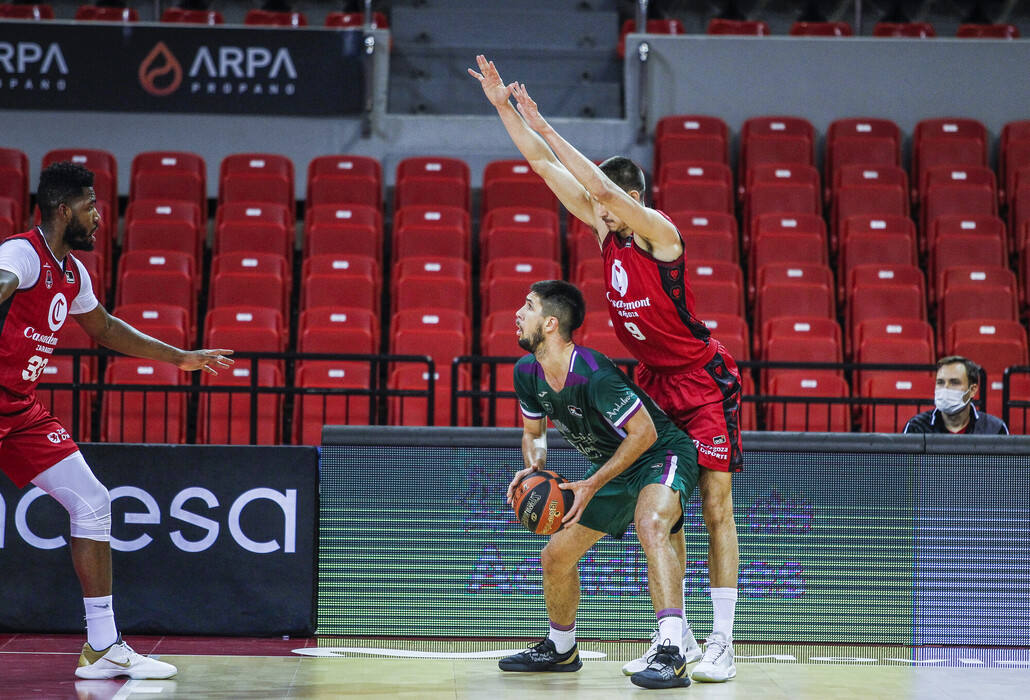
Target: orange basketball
x=539 y=504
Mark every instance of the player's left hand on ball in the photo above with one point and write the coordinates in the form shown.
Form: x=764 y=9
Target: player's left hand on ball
x=519 y=475
x=583 y=491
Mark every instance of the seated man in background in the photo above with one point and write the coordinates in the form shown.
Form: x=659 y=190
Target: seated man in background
x=954 y=412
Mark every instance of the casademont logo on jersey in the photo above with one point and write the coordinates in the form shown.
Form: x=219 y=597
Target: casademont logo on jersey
x=620 y=279
x=31 y=67
x=219 y=70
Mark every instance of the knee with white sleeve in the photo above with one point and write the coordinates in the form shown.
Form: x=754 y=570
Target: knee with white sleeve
x=72 y=484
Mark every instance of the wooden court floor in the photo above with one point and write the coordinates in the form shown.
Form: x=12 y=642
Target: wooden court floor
x=41 y=666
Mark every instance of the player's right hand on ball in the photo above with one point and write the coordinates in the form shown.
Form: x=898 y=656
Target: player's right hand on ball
x=519 y=475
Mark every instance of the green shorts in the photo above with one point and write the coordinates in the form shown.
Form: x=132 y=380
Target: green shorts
x=612 y=508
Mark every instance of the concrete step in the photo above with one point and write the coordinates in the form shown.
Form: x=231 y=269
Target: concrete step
x=555 y=66
x=493 y=28
x=454 y=96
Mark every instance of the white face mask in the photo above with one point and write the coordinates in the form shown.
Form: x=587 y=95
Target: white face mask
x=949 y=401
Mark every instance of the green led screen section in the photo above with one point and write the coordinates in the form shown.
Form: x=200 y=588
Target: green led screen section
x=834 y=547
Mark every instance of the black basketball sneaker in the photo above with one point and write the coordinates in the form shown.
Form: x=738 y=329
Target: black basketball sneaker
x=666 y=668
x=542 y=656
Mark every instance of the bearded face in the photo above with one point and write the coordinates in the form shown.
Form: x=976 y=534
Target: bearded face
x=78 y=237
x=530 y=340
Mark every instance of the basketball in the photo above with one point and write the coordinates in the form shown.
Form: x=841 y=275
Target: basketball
x=539 y=504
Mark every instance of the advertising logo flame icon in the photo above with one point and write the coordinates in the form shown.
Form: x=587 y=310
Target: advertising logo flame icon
x=158 y=64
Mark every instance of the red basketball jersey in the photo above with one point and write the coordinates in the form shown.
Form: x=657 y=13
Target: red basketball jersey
x=652 y=308
x=31 y=321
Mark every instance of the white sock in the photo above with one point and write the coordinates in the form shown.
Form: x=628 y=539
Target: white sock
x=100 y=628
x=564 y=637
x=686 y=625
x=724 y=603
x=670 y=627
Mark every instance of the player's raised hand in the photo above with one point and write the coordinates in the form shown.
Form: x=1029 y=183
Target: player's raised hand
x=583 y=491
x=527 y=107
x=206 y=360
x=494 y=88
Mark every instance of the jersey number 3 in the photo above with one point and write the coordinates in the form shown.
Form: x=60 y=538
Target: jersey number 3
x=633 y=330
x=35 y=368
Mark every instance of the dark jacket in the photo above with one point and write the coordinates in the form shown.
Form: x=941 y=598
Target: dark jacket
x=979 y=424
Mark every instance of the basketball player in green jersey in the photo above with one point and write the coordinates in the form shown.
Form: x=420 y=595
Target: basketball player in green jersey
x=644 y=470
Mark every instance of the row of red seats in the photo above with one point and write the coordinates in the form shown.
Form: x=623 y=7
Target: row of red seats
x=41 y=11
x=920 y=30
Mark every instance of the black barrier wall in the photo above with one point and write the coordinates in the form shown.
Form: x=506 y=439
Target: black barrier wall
x=178 y=68
x=887 y=539
x=207 y=540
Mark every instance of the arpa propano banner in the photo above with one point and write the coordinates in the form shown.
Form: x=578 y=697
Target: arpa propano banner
x=179 y=68
x=206 y=540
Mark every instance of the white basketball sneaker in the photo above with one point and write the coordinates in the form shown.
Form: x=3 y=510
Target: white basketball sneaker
x=690 y=649
x=120 y=660
x=717 y=663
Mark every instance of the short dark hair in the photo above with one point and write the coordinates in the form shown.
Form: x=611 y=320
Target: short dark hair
x=60 y=183
x=625 y=173
x=972 y=369
x=564 y=301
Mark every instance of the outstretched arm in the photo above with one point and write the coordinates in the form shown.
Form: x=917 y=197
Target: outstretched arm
x=645 y=222
x=112 y=332
x=531 y=146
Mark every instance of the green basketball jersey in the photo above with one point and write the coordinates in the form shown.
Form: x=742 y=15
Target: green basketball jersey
x=593 y=406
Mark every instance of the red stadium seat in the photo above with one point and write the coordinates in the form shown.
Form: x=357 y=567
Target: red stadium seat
x=582 y=252
x=953 y=142
x=720 y=26
x=820 y=29
x=257 y=177
x=774 y=140
x=345 y=179
x=166 y=322
x=976 y=275
x=35 y=11
x=995 y=346
x=882 y=273
x=801 y=248
x=980 y=303
x=93 y=13
x=694 y=187
x=706 y=236
x=525 y=269
x=514 y=231
x=690 y=138
x=879 y=249
x=153 y=416
x=908 y=30
x=1013 y=154
x=328 y=279
x=987 y=31
x=804 y=224
x=806 y=416
x=224 y=418
x=179 y=15
x=512 y=183
x=96 y=266
x=894 y=300
x=793 y=301
x=434 y=181
x=981 y=225
x=416 y=241
x=963 y=192
x=60 y=370
x=158 y=277
x=270 y=18
x=732 y=332
x=250 y=279
x=891 y=418
x=955 y=250
x=782 y=190
x=412 y=410
x=794 y=273
x=312 y=411
x=891 y=342
x=356 y=19
x=869 y=143
x=343 y=230
x=440 y=334
x=338 y=329
x=445 y=217
x=718 y=288
x=879 y=202
x=245 y=329
x=653 y=26
x=432 y=283
x=598 y=333
x=14 y=183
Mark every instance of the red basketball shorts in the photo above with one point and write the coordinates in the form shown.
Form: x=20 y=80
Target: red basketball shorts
x=705 y=404
x=32 y=441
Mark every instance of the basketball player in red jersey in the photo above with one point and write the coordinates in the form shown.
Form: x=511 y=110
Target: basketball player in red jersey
x=687 y=372
x=41 y=284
